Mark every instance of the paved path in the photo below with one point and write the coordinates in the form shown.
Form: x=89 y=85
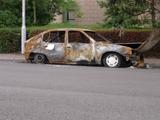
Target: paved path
x=10 y=57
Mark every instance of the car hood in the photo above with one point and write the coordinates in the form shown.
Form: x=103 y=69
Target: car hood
x=105 y=47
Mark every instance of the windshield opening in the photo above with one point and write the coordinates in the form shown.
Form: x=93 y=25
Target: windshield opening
x=97 y=37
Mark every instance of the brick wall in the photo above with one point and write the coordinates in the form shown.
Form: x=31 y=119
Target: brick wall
x=157 y=5
x=91 y=12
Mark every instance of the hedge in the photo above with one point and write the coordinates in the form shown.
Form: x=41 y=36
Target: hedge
x=10 y=39
x=119 y=36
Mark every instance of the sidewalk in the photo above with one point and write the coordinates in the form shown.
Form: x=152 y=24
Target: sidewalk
x=152 y=62
x=12 y=57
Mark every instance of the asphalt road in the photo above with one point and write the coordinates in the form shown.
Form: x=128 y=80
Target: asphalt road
x=65 y=92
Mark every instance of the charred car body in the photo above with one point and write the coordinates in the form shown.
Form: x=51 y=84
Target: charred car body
x=74 y=46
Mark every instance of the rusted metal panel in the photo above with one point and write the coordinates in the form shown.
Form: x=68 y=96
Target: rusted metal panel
x=102 y=48
x=32 y=44
x=79 y=51
x=56 y=53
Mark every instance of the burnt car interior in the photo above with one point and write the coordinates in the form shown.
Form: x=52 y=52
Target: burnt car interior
x=54 y=36
x=78 y=37
x=96 y=37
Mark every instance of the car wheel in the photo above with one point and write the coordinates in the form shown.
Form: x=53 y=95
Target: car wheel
x=112 y=60
x=127 y=63
x=39 y=58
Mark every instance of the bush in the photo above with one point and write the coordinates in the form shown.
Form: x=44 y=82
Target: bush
x=126 y=36
x=9 y=40
x=157 y=24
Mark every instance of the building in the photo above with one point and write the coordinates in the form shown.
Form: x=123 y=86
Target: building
x=91 y=13
x=157 y=6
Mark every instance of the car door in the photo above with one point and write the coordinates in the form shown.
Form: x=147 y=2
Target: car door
x=79 y=47
x=54 y=45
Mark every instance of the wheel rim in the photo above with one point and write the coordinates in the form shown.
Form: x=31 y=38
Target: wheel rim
x=112 y=60
x=39 y=58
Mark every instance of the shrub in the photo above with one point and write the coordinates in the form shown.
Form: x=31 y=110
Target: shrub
x=157 y=24
x=126 y=36
x=9 y=40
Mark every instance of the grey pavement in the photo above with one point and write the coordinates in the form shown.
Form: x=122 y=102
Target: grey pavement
x=66 y=92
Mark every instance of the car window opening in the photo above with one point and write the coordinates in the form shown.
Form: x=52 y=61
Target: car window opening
x=97 y=37
x=54 y=37
x=77 y=37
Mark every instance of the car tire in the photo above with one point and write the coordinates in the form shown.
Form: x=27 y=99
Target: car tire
x=112 y=60
x=127 y=63
x=39 y=58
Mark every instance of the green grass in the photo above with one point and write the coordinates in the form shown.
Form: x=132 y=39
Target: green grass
x=97 y=27
x=67 y=25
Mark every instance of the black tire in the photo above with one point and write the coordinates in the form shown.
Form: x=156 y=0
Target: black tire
x=112 y=60
x=39 y=58
x=127 y=63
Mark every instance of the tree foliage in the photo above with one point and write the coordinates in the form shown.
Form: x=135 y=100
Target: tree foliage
x=9 y=12
x=126 y=13
x=38 y=12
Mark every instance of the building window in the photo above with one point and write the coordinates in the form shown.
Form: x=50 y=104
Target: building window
x=69 y=16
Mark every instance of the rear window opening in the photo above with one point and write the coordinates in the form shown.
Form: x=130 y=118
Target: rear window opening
x=54 y=37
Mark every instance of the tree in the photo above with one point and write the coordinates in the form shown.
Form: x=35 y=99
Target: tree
x=64 y=6
x=124 y=13
x=38 y=12
x=7 y=18
x=9 y=12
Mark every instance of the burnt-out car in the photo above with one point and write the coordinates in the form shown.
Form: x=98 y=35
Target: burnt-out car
x=76 y=46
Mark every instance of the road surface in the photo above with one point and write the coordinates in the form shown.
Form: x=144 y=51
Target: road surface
x=67 y=92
